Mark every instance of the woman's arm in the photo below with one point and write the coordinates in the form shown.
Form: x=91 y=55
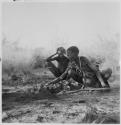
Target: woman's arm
x=97 y=72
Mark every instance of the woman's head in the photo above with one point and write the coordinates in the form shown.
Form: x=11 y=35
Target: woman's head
x=72 y=52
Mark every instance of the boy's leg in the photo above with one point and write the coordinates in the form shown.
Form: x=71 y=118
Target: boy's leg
x=53 y=69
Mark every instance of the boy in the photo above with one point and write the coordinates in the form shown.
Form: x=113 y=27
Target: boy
x=62 y=61
x=81 y=70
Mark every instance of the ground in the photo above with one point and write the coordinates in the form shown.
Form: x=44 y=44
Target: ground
x=20 y=104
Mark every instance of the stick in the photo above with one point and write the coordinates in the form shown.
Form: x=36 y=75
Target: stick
x=79 y=90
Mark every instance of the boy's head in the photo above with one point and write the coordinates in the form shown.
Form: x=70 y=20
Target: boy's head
x=72 y=52
x=61 y=51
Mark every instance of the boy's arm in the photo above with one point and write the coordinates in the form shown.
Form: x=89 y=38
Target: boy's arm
x=50 y=58
x=59 y=78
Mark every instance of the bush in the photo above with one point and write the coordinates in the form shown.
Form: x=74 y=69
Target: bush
x=37 y=62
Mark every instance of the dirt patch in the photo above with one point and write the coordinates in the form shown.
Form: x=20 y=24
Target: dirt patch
x=23 y=103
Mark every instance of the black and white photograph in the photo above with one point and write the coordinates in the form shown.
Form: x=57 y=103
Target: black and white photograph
x=60 y=62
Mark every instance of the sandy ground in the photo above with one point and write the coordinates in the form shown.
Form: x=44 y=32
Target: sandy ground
x=19 y=105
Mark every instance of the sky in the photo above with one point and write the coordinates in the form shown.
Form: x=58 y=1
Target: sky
x=94 y=27
x=48 y=24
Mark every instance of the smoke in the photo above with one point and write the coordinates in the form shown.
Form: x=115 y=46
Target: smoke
x=16 y=58
x=108 y=48
x=11 y=52
x=103 y=48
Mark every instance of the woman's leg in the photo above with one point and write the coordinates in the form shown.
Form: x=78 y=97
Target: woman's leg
x=106 y=74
